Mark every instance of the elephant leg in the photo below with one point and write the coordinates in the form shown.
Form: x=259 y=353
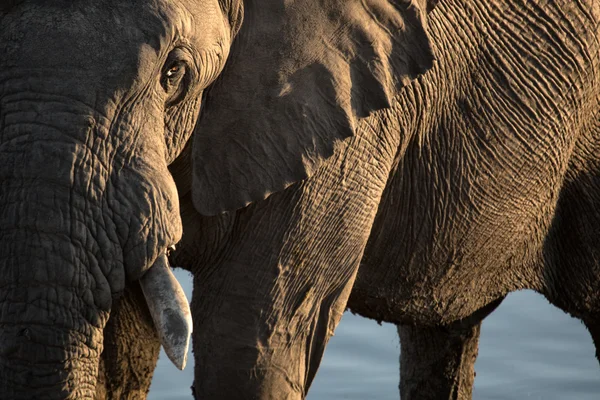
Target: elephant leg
x=438 y=362
x=131 y=348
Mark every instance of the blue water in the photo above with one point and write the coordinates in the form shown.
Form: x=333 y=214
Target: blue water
x=528 y=350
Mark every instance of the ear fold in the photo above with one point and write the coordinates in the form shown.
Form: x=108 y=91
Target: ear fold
x=299 y=77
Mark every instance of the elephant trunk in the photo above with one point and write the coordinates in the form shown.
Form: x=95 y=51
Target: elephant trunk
x=76 y=222
x=55 y=296
x=50 y=324
x=267 y=345
x=42 y=359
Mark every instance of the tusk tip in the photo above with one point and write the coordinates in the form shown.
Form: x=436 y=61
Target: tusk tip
x=177 y=355
x=176 y=332
x=169 y=309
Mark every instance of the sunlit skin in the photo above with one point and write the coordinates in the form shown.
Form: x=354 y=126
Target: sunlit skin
x=415 y=161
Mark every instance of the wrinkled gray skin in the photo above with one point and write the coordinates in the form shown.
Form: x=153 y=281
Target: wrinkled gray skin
x=90 y=118
x=416 y=199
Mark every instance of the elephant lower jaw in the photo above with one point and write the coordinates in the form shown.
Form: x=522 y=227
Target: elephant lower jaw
x=169 y=309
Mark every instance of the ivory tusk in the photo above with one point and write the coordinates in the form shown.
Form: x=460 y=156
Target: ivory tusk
x=170 y=310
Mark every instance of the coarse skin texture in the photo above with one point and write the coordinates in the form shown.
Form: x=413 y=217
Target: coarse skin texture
x=96 y=99
x=485 y=174
x=131 y=349
x=501 y=176
x=412 y=191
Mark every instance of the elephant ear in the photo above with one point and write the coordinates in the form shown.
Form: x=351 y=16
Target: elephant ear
x=299 y=77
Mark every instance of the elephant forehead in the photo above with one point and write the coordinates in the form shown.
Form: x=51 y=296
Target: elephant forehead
x=107 y=37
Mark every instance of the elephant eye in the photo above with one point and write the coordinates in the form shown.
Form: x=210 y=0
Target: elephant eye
x=175 y=77
x=173 y=71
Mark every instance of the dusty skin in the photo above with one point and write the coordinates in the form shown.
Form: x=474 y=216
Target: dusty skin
x=412 y=160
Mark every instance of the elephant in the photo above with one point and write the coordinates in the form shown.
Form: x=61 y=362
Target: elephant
x=412 y=160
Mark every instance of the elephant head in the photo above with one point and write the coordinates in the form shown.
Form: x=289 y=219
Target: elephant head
x=98 y=98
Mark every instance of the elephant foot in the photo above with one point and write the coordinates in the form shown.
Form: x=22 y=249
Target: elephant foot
x=438 y=362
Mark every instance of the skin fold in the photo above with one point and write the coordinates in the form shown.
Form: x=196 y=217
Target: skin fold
x=414 y=161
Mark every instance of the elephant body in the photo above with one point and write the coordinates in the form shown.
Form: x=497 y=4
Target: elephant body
x=485 y=176
x=412 y=160
x=498 y=187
